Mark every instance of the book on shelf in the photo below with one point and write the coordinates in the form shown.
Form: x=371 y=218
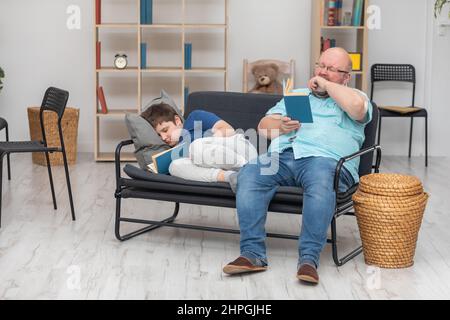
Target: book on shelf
x=98 y=11
x=332 y=43
x=186 y=95
x=339 y=5
x=146 y=11
x=188 y=56
x=142 y=11
x=297 y=104
x=161 y=161
x=102 y=100
x=332 y=13
x=358 y=8
x=326 y=44
x=98 y=62
x=143 y=55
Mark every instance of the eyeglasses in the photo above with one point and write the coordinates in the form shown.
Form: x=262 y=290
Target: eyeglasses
x=330 y=69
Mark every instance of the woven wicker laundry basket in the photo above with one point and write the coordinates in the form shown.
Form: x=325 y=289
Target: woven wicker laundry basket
x=69 y=125
x=389 y=210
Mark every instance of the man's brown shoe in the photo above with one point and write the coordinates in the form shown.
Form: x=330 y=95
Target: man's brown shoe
x=308 y=273
x=242 y=265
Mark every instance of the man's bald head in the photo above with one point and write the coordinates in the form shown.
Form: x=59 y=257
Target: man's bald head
x=340 y=56
x=335 y=65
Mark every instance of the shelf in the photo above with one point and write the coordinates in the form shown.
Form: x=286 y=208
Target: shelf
x=116 y=113
x=343 y=27
x=186 y=26
x=205 y=26
x=162 y=26
x=111 y=69
x=117 y=25
x=162 y=70
x=110 y=156
x=352 y=38
x=164 y=64
x=206 y=70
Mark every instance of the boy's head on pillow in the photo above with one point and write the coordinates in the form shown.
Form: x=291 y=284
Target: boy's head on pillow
x=166 y=122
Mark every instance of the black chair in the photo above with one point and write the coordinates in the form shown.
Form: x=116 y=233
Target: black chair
x=4 y=125
x=241 y=110
x=55 y=100
x=400 y=73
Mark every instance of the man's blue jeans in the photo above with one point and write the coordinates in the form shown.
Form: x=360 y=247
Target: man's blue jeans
x=258 y=183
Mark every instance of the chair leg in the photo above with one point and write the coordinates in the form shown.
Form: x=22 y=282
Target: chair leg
x=410 y=137
x=426 y=141
x=7 y=156
x=379 y=130
x=49 y=168
x=1 y=184
x=340 y=261
x=69 y=188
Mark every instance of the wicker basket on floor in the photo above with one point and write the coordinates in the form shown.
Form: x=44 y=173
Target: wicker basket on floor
x=389 y=210
x=69 y=125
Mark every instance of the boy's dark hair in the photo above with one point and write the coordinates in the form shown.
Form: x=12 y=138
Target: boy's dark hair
x=158 y=114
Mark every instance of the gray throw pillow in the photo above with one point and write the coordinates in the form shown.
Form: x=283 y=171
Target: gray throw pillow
x=146 y=141
x=164 y=98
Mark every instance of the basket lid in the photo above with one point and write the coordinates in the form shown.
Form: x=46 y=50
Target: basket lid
x=391 y=184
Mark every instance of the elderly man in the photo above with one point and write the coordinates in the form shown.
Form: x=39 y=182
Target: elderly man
x=307 y=155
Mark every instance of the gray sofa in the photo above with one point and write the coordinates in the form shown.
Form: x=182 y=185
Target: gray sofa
x=244 y=111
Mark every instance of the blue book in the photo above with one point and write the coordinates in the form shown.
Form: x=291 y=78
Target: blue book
x=298 y=108
x=357 y=12
x=149 y=11
x=186 y=95
x=188 y=56
x=161 y=161
x=339 y=5
x=297 y=104
x=143 y=55
x=143 y=10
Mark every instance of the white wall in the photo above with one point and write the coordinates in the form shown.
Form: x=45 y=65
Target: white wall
x=37 y=50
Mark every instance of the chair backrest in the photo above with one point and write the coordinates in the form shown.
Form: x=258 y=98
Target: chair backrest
x=366 y=161
x=286 y=69
x=55 y=100
x=245 y=110
x=393 y=72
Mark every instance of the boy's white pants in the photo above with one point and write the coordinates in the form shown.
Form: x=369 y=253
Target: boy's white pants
x=207 y=156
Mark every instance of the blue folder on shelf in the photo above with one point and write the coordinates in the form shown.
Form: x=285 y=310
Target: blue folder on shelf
x=188 y=56
x=149 y=11
x=143 y=55
x=146 y=11
x=297 y=104
x=186 y=95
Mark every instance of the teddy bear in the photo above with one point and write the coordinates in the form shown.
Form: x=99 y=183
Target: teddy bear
x=266 y=78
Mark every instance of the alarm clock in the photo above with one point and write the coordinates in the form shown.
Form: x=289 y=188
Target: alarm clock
x=120 y=61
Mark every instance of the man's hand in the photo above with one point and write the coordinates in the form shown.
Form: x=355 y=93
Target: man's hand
x=318 y=84
x=289 y=125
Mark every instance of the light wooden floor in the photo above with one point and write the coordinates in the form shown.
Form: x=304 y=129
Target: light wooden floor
x=44 y=255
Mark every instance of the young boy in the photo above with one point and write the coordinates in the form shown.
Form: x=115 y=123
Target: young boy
x=215 y=150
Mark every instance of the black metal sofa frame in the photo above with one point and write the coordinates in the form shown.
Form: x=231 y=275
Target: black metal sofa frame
x=241 y=110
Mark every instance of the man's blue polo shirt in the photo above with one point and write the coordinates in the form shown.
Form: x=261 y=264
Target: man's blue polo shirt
x=333 y=133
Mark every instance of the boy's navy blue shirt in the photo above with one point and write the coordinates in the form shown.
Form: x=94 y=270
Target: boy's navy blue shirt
x=199 y=121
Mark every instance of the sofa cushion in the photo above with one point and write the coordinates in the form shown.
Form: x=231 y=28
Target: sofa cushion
x=146 y=180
